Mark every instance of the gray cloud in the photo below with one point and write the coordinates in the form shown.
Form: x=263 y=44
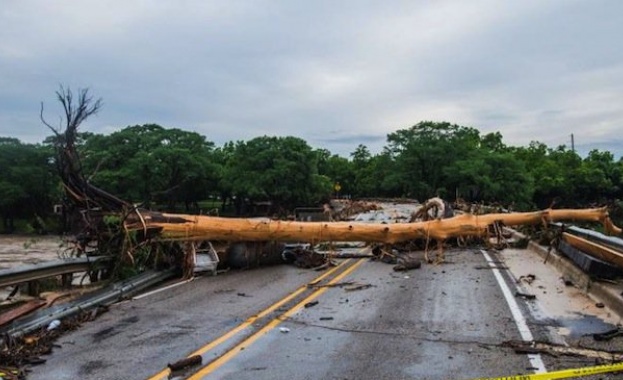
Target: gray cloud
x=336 y=74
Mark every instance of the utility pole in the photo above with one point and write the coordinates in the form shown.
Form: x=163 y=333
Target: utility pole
x=572 y=143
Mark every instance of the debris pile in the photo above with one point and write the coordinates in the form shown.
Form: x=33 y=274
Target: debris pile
x=305 y=257
x=346 y=209
x=18 y=353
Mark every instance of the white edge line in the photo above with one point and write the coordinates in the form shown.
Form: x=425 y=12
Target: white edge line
x=520 y=321
x=162 y=289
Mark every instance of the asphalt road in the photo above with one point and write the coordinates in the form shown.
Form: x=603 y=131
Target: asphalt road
x=439 y=322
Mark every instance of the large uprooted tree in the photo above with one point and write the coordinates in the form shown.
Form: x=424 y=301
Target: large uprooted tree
x=123 y=229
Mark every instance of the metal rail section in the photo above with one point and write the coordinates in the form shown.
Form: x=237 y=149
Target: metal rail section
x=27 y=273
x=594 y=236
x=104 y=297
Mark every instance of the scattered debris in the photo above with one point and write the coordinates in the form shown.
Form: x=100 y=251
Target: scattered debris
x=608 y=334
x=528 y=279
x=404 y=265
x=54 y=325
x=334 y=285
x=51 y=298
x=20 y=351
x=350 y=255
x=358 y=287
x=304 y=257
x=218 y=291
x=17 y=312
x=434 y=208
x=555 y=350
x=311 y=304
x=184 y=363
x=525 y=295
x=10 y=373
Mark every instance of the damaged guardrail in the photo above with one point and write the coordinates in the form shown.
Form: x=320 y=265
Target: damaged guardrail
x=594 y=236
x=27 y=273
x=103 y=297
x=596 y=254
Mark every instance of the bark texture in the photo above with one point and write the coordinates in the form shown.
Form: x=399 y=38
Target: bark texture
x=197 y=227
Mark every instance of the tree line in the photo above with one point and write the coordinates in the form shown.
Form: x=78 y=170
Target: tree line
x=173 y=169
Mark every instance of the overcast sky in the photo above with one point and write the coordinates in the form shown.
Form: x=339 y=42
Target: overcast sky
x=335 y=73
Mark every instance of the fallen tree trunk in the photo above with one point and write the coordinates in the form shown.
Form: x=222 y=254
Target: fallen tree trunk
x=197 y=227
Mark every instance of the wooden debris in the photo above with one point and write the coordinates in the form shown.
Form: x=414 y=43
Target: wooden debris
x=528 y=279
x=184 y=363
x=358 y=287
x=406 y=265
x=525 y=295
x=21 y=310
x=558 y=350
x=335 y=285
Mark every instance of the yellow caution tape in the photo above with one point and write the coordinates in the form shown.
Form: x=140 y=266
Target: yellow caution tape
x=563 y=374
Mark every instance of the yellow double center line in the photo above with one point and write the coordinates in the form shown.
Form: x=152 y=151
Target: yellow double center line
x=271 y=325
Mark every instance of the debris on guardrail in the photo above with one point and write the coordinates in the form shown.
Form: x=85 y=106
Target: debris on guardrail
x=11 y=373
x=27 y=350
x=54 y=325
x=21 y=310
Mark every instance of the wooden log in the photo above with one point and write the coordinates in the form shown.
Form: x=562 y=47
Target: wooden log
x=198 y=227
x=19 y=311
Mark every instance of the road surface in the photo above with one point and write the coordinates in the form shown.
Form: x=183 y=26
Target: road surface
x=450 y=321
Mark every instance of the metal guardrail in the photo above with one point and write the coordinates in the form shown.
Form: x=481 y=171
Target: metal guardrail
x=27 y=273
x=103 y=297
x=594 y=236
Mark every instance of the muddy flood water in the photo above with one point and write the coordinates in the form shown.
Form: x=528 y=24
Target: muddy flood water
x=25 y=250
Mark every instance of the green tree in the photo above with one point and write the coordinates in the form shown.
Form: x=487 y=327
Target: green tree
x=28 y=185
x=146 y=163
x=281 y=170
x=550 y=170
x=423 y=151
x=595 y=180
x=337 y=169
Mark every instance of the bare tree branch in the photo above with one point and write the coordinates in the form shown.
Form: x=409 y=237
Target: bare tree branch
x=46 y=123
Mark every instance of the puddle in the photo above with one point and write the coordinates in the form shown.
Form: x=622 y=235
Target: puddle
x=582 y=325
